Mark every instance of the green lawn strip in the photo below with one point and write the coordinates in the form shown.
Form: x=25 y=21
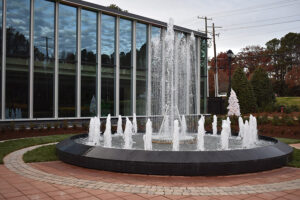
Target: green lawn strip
x=13 y=145
x=288 y=140
x=295 y=162
x=41 y=154
x=288 y=101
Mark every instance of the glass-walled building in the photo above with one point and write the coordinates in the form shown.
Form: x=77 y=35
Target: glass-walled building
x=74 y=59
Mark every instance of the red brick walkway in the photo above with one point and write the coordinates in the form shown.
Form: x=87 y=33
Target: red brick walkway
x=15 y=186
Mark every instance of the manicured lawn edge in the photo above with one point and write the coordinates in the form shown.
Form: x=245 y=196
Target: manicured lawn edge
x=13 y=145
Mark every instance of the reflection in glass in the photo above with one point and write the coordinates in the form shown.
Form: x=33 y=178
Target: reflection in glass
x=67 y=61
x=141 y=68
x=88 y=63
x=125 y=66
x=108 y=64
x=44 y=16
x=17 y=58
x=156 y=71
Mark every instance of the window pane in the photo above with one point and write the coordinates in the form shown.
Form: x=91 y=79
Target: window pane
x=17 y=58
x=156 y=71
x=44 y=17
x=67 y=61
x=141 y=68
x=108 y=64
x=88 y=63
x=125 y=66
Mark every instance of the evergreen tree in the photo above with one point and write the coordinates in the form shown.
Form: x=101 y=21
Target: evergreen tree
x=233 y=107
x=262 y=88
x=244 y=91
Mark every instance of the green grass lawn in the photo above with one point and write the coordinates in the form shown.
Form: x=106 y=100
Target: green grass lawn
x=288 y=101
x=288 y=140
x=10 y=146
x=295 y=162
x=41 y=154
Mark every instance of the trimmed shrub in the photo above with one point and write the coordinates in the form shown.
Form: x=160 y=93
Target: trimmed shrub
x=262 y=88
x=244 y=91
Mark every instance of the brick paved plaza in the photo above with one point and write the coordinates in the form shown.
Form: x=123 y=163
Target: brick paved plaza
x=57 y=180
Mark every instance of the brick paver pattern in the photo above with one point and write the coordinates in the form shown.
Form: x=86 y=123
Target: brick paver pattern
x=282 y=183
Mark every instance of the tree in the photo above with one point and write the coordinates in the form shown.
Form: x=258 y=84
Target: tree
x=244 y=91
x=252 y=57
x=114 y=6
x=262 y=88
x=233 y=107
x=292 y=79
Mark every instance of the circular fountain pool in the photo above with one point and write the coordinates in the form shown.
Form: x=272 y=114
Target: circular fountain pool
x=268 y=154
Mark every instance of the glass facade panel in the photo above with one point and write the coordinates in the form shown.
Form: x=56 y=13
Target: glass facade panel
x=108 y=31
x=67 y=60
x=17 y=58
x=88 y=63
x=125 y=67
x=44 y=17
x=141 y=68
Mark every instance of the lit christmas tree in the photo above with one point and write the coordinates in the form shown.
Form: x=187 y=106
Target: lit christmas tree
x=233 y=105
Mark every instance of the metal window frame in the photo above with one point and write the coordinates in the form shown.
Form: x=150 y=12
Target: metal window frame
x=117 y=70
x=133 y=67
x=56 y=65
x=3 y=59
x=148 y=54
x=31 y=61
x=78 y=65
x=98 y=87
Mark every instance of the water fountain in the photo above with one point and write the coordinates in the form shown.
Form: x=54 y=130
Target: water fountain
x=173 y=148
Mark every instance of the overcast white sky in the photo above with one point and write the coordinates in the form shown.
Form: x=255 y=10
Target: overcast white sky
x=244 y=22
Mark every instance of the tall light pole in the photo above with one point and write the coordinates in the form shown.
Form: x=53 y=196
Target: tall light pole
x=230 y=55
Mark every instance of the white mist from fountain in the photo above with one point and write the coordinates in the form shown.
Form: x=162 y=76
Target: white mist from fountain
x=200 y=135
x=134 y=124
x=128 y=135
x=94 y=136
x=147 y=137
x=107 y=133
x=173 y=83
x=183 y=126
x=175 y=142
x=225 y=133
x=214 y=125
x=119 y=127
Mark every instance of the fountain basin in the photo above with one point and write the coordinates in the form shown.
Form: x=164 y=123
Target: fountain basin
x=178 y=163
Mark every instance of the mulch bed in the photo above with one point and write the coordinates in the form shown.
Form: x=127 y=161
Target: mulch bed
x=6 y=135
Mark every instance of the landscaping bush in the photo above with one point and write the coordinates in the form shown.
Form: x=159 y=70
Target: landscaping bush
x=263 y=120
x=65 y=125
x=12 y=126
x=48 y=126
x=244 y=91
x=262 y=88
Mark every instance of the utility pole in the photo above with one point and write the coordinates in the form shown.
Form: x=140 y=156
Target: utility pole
x=205 y=19
x=216 y=60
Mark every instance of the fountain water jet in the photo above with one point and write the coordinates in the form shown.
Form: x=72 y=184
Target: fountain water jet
x=175 y=146
x=119 y=127
x=94 y=136
x=201 y=133
x=148 y=136
x=107 y=132
x=214 y=125
x=128 y=135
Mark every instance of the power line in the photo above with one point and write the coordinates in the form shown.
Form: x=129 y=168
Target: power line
x=256 y=8
x=264 y=20
x=261 y=25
